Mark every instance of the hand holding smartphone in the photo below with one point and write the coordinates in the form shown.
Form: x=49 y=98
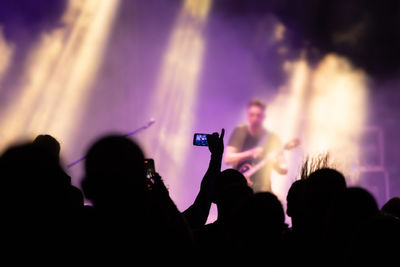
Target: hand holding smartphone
x=215 y=141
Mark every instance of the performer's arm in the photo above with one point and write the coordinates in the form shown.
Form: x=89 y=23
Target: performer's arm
x=280 y=164
x=232 y=156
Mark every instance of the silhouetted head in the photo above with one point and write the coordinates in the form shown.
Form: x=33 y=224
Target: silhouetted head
x=296 y=202
x=231 y=193
x=392 y=207
x=356 y=204
x=322 y=189
x=31 y=177
x=48 y=144
x=266 y=214
x=115 y=171
x=329 y=180
x=354 y=207
x=260 y=225
x=228 y=178
x=325 y=185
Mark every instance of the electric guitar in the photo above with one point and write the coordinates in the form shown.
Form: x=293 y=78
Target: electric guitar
x=248 y=169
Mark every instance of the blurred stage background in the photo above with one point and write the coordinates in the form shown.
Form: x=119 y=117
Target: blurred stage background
x=328 y=70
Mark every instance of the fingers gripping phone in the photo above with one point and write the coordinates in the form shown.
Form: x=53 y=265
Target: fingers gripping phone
x=200 y=139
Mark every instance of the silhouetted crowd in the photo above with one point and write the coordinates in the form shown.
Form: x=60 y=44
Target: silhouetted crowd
x=132 y=219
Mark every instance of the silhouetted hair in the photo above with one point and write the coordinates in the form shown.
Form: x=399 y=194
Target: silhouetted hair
x=258 y=103
x=312 y=164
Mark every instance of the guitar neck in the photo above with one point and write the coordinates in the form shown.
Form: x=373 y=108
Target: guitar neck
x=264 y=161
x=256 y=167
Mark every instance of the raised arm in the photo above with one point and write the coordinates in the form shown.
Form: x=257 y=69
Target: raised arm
x=197 y=214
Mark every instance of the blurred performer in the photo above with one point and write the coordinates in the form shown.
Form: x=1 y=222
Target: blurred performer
x=255 y=151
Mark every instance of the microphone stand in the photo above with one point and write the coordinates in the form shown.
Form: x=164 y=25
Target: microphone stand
x=125 y=135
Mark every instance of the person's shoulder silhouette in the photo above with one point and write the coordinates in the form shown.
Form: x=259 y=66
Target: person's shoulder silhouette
x=392 y=207
x=128 y=217
x=376 y=243
x=231 y=194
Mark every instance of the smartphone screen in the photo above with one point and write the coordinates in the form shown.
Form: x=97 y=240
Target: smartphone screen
x=200 y=139
x=150 y=169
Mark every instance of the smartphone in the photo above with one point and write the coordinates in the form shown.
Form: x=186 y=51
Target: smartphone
x=200 y=139
x=150 y=169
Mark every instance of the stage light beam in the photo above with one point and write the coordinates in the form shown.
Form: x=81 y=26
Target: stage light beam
x=285 y=117
x=58 y=74
x=174 y=96
x=6 y=54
